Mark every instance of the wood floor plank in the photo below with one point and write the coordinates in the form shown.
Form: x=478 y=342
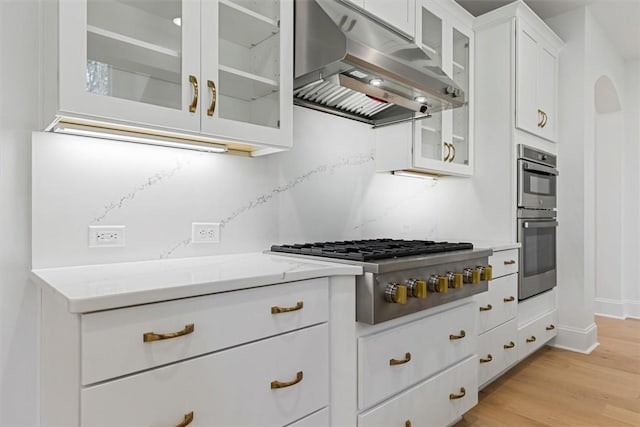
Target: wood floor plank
x=556 y=387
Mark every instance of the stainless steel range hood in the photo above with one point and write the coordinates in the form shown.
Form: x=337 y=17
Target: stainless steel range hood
x=351 y=65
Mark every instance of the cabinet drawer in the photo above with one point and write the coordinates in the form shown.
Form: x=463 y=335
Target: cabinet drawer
x=499 y=304
x=229 y=388
x=534 y=307
x=504 y=262
x=393 y=360
x=497 y=350
x=112 y=341
x=535 y=334
x=431 y=403
x=317 y=419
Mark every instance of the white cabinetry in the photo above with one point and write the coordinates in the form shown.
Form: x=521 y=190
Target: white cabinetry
x=537 y=320
x=422 y=372
x=205 y=71
x=400 y=14
x=536 y=79
x=496 y=317
x=441 y=144
x=243 y=358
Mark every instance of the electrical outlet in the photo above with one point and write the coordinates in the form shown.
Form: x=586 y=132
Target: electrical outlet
x=101 y=236
x=205 y=232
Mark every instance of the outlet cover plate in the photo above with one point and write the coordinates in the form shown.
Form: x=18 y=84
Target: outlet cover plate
x=205 y=232
x=106 y=236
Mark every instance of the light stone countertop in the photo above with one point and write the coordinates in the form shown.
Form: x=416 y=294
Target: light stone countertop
x=106 y=286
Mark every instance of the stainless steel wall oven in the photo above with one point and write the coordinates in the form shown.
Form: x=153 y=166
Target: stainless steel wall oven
x=537 y=225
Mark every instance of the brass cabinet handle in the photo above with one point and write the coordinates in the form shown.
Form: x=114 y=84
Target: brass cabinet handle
x=187 y=420
x=194 y=102
x=510 y=345
x=532 y=339
x=487 y=360
x=487 y=308
x=550 y=327
x=453 y=156
x=541 y=117
x=544 y=119
x=510 y=299
x=152 y=336
x=462 y=394
x=457 y=337
x=275 y=309
x=446 y=158
x=279 y=384
x=407 y=423
x=510 y=262
x=407 y=358
x=214 y=96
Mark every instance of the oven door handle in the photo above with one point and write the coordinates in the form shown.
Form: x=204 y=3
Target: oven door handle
x=539 y=224
x=533 y=167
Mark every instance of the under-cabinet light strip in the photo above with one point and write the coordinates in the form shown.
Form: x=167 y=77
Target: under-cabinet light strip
x=138 y=138
x=414 y=175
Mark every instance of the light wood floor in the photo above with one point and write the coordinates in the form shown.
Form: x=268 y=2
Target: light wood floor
x=561 y=388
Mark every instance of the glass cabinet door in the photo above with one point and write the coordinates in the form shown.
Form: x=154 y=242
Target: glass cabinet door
x=246 y=69
x=460 y=116
x=131 y=60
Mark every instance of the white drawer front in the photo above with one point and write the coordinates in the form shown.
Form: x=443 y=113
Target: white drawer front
x=431 y=343
x=499 y=304
x=229 y=388
x=535 y=334
x=497 y=350
x=429 y=403
x=532 y=308
x=317 y=419
x=504 y=262
x=112 y=341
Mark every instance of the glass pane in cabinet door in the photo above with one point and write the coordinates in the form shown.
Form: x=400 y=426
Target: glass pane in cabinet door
x=460 y=115
x=432 y=37
x=249 y=61
x=431 y=137
x=134 y=50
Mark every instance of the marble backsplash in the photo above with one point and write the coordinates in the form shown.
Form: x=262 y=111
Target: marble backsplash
x=325 y=188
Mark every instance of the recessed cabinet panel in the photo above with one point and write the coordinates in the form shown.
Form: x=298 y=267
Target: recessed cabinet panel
x=398 y=13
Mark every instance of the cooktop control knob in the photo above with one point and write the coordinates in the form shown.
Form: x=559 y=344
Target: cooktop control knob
x=471 y=275
x=438 y=284
x=456 y=280
x=486 y=272
x=396 y=293
x=417 y=288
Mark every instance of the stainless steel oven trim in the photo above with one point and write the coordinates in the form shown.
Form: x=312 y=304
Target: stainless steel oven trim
x=526 y=200
x=535 y=167
x=539 y=224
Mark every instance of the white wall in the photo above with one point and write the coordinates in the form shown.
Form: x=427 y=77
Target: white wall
x=18 y=303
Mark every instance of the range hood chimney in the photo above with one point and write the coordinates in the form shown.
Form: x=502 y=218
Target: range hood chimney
x=351 y=65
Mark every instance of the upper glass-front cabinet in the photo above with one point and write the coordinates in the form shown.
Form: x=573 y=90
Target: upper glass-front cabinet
x=212 y=68
x=442 y=142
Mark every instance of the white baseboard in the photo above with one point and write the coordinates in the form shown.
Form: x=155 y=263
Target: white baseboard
x=575 y=339
x=619 y=309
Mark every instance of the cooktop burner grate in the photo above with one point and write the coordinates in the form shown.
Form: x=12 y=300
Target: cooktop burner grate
x=368 y=250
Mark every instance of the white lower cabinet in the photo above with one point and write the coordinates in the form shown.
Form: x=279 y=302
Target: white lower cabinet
x=499 y=304
x=390 y=361
x=497 y=351
x=537 y=333
x=267 y=383
x=317 y=419
x=435 y=402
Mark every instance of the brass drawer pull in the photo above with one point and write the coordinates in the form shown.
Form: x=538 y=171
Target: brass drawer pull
x=407 y=423
x=457 y=337
x=510 y=299
x=152 y=336
x=550 y=328
x=275 y=309
x=541 y=117
x=532 y=339
x=510 y=345
x=187 y=420
x=487 y=308
x=214 y=96
x=544 y=119
x=194 y=102
x=278 y=384
x=462 y=394
x=510 y=262
x=487 y=360
x=446 y=158
x=407 y=358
